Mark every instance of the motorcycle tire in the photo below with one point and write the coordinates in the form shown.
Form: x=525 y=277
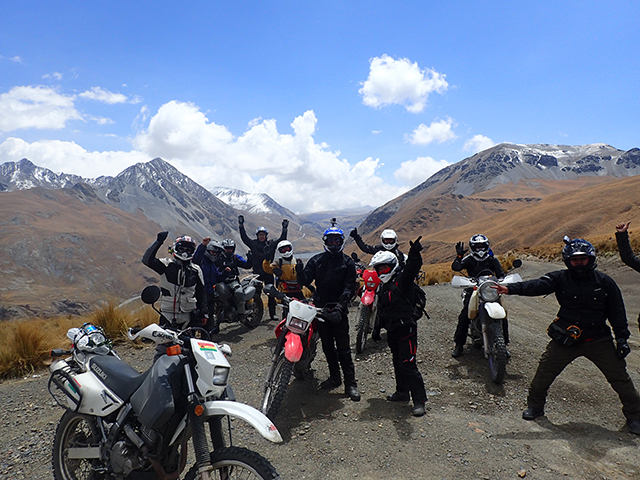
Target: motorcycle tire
x=75 y=431
x=254 y=309
x=237 y=463
x=362 y=328
x=498 y=357
x=276 y=386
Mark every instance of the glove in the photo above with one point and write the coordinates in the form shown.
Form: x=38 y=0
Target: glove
x=277 y=271
x=623 y=348
x=299 y=267
x=353 y=233
x=415 y=246
x=375 y=335
x=240 y=219
x=332 y=315
x=285 y=223
x=460 y=250
x=162 y=236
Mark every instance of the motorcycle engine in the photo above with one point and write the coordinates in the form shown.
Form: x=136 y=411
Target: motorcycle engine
x=124 y=458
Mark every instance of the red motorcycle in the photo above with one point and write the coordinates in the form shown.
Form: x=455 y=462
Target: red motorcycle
x=368 y=309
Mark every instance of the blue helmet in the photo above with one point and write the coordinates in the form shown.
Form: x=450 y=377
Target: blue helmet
x=333 y=239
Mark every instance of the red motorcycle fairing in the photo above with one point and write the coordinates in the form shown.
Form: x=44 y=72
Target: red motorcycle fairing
x=280 y=327
x=371 y=282
x=368 y=297
x=293 y=347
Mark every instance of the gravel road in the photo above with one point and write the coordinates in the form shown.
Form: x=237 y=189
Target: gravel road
x=473 y=428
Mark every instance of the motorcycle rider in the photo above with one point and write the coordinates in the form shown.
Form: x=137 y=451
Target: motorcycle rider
x=588 y=299
x=283 y=267
x=181 y=282
x=388 y=242
x=395 y=309
x=261 y=249
x=228 y=263
x=334 y=274
x=624 y=247
x=206 y=256
x=481 y=258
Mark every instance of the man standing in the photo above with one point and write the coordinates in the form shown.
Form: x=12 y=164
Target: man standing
x=587 y=298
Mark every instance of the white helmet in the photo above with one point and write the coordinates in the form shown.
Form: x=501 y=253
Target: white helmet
x=385 y=264
x=284 y=249
x=183 y=248
x=389 y=239
x=479 y=245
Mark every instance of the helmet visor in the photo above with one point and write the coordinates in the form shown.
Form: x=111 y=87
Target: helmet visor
x=333 y=240
x=383 y=268
x=388 y=241
x=285 y=249
x=479 y=247
x=185 y=247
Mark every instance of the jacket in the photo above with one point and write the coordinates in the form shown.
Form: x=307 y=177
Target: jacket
x=474 y=267
x=288 y=280
x=626 y=253
x=334 y=276
x=396 y=298
x=210 y=271
x=586 y=301
x=261 y=250
x=232 y=262
x=373 y=249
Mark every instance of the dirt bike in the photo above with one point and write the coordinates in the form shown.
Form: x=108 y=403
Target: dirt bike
x=120 y=423
x=225 y=303
x=487 y=314
x=296 y=345
x=368 y=308
x=360 y=268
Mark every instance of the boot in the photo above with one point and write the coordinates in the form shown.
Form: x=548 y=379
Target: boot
x=418 y=409
x=398 y=397
x=458 y=350
x=634 y=426
x=331 y=383
x=353 y=393
x=532 y=413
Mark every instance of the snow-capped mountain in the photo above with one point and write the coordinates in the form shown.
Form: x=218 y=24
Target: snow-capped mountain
x=23 y=175
x=256 y=203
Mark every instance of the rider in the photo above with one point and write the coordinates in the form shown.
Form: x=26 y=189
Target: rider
x=261 y=249
x=284 y=268
x=588 y=299
x=181 y=282
x=206 y=256
x=481 y=259
x=395 y=309
x=228 y=264
x=388 y=242
x=334 y=274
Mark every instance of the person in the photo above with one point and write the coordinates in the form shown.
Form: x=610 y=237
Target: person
x=624 y=247
x=228 y=264
x=206 y=257
x=588 y=299
x=388 y=242
x=183 y=300
x=334 y=274
x=283 y=267
x=481 y=259
x=262 y=248
x=395 y=309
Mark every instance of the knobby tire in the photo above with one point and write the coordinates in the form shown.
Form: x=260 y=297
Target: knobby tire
x=276 y=387
x=75 y=431
x=498 y=356
x=362 y=328
x=255 y=311
x=231 y=463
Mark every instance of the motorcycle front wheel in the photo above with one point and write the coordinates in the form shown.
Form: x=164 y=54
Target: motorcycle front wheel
x=76 y=435
x=498 y=357
x=254 y=309
x=362 y=328
x=276 y=386
x=231 y=463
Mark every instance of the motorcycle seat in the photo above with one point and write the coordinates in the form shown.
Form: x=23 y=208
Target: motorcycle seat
x=117 y=375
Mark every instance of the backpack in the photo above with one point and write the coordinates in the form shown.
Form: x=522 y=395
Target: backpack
x=420 y=298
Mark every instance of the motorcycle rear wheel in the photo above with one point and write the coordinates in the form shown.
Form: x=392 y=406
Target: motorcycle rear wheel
x=237 y=463
x=363 y=327
x=276 y=386
x=75 y=431
x=254 y=309
x=498 y=357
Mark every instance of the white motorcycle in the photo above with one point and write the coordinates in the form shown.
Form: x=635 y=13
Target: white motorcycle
x=487 y=313
x=120 y=423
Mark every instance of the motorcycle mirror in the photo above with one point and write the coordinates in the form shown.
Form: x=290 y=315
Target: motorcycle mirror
x=517 y=263
x=150 y=294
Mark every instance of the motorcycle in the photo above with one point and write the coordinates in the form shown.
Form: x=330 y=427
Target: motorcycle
x=296 y=346
x=120 y=423
x=487 y=314
x=368 y=308
x=360 y=268
x=225 y=303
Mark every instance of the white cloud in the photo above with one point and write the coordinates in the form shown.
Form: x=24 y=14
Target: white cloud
x=439 y=131
x=16 y=59
x=35 y=107
x=102 y=95
x=478 y=143
x=414 y=172
x=400 y=82
x=54 y=75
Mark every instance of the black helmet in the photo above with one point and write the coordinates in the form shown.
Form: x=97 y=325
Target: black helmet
x=213 y=251
x=578 y=248
x=479 y=245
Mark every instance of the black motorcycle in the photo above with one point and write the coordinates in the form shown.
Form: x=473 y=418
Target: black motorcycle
x=226 y=310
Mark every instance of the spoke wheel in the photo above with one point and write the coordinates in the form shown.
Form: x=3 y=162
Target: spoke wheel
x=236 y=463
x=276 y=386
x=362 y=329
x=75 y=432
x=254 y=309
x=498 y=355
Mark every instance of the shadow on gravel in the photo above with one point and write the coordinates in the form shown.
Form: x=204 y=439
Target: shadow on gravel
x=586 y=439
x=398 y=413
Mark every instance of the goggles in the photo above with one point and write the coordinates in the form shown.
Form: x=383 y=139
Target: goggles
x=383 y=268
x=285 y=249
x=333 y=241
x=184 y=247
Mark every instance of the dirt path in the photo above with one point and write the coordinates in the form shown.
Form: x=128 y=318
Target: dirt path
x=473 y=428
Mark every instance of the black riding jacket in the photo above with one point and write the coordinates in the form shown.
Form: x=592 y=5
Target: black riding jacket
x=373 y=249
x=334 y=275
x=261 y=250
x=586 y=301
x=626 y=252
x=474 y=267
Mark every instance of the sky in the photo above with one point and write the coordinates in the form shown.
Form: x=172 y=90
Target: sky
x=322 y=105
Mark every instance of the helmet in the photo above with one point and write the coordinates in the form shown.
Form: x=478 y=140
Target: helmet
x=389 y=239
x=214 y=249
x=284 y=249
x=183 y=248
x=227 y=244
x=577 y=248
x=479 y=245
x=263 y=230
x=386 y=265
x=333 y=239
x=90 y=338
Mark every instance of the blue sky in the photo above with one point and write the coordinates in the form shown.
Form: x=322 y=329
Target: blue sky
x=322 y=105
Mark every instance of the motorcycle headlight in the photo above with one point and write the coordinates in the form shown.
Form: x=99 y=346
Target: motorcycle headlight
x=297 y=325
x=220 y=375
x=488 y=294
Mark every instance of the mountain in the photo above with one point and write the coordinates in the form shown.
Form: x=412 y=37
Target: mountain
x=256 y=203
x=23 y=175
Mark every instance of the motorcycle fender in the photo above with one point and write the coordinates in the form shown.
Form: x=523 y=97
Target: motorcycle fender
x=255 y=418
x=495 y=310
x=472 y=311
x=293 y=347
x=368 y=297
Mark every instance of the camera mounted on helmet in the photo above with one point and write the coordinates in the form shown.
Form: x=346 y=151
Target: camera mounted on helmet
x=333 y=239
